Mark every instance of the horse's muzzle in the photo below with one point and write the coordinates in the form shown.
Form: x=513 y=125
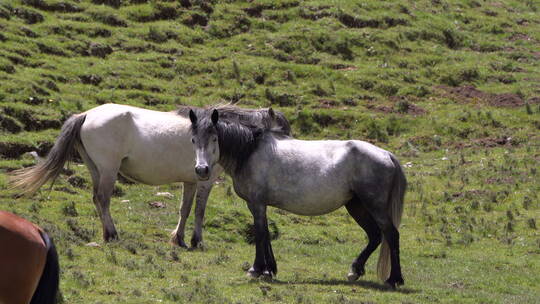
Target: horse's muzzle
x=203 y=172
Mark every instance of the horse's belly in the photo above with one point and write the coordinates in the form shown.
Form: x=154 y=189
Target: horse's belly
x=163 y=166
x=157 y=174
x=312 y=203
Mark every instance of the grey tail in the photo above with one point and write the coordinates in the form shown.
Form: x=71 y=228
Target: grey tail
x=29 y=180
x=47 y=289
x=396 y=198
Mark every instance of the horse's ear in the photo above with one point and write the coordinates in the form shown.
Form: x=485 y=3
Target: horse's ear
x=215 y=116
x=271 y=112
x=192 y=117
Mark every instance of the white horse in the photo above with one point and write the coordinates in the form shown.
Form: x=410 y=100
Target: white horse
x=145 y=146
x=269 y=168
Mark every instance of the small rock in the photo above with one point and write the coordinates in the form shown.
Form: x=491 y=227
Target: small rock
x=124 y=201
x=165 y=194
x=157 y=204
x=93 y=244
x=245 y=266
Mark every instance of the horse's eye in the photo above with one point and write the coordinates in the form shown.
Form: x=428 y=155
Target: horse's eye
x=215 y=139
x=193 y=140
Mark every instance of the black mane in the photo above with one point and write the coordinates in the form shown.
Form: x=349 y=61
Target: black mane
x=239 y=131
x=253 y=117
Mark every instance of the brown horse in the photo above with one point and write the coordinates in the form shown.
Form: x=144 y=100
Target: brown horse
x=29 y=270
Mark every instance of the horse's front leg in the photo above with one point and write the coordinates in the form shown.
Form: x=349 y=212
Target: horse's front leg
x=264 y=263
x=177 y=236
x=203 y=191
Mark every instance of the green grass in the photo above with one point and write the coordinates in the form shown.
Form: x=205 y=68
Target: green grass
x=379 y=71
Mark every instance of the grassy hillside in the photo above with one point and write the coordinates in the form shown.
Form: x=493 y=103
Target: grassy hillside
x=451 y=87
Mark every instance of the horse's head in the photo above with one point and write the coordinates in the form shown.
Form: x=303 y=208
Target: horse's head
x=205 y=142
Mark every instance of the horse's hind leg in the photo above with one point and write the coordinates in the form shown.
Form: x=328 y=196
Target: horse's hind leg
x=177 y=236
x=94 y=173
x=364 y=219
x=203 y=191
x=104 y=192
x=391 y=248
x=391 y=235
x=103 y=184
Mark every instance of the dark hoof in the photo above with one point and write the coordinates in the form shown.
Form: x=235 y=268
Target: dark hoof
x=394 y=283
x=196 y=243
x=354 y=274
x=265 y=275
x=110 y=236
x=253 y=274
x=351 y=276
x=178 y=241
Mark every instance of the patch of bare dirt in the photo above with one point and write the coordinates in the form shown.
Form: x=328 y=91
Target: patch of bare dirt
x=469 y=194
x=9 y=124
x=401 y=105
x=458 y=285
x=195 y=19
x=500 y=180
x=486 y=142
x=533 y=100
x=490 y=13
x=315 y=12
x=343 y=67
x=425 y=143
x=382 y=109
x=520 y=36
x=14 y=150
x=327 y=104
x=506 y=100
x=30 y=121
x=523 y=22
x=63 y=7
x=414 y=109
x=491 y=142
x=156 y=204
x=255 y=11
x=469 y=93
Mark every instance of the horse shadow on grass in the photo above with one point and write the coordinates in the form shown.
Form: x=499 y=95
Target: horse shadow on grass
x=333 y=282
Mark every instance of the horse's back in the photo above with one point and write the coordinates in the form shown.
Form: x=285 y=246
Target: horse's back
x=315 y=177
x=332 y=152
x=22 y=258
x=111 y=116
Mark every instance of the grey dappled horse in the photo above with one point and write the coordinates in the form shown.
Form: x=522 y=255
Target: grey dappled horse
x=145 y=146
x=269 y=168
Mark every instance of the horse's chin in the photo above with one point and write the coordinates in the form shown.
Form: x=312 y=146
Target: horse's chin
x=203 y=178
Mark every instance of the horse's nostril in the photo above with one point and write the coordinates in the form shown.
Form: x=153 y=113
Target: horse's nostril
x=202 y=170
